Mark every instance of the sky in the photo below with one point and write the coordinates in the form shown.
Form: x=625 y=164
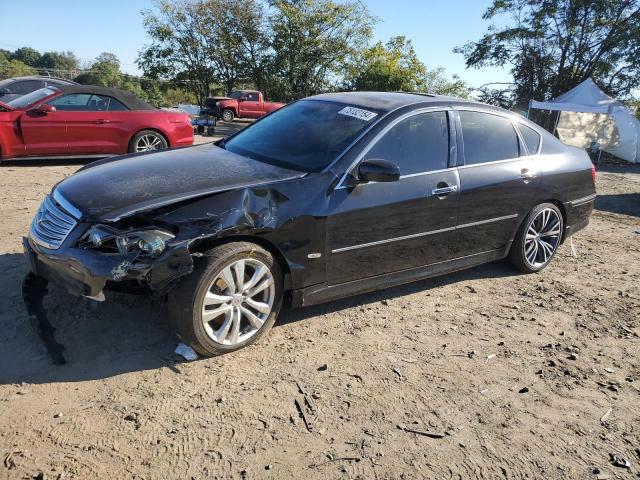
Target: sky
x=436 y=27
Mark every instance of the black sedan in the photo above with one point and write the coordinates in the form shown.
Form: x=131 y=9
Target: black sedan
x=328 y=197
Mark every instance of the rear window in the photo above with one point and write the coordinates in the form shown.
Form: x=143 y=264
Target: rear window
x=488 y=138
x=531 y=138
x=307 y=135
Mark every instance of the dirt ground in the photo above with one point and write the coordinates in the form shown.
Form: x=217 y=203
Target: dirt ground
x=501 y=375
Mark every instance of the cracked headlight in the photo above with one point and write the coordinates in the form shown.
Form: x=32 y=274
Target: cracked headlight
x=152 y=242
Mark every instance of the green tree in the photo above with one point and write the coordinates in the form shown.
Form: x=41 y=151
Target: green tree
x=178 y=48
x=14 y=68
x=553 y=45
x=314 y=42
x=393 y=66
x=26 y=55
x=63 y=64
x=104 y=72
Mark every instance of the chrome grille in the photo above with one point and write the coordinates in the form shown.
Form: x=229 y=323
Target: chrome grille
x=51 y=225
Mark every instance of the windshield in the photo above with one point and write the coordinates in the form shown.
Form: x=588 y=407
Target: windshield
x=31 y=98
x=307 y=135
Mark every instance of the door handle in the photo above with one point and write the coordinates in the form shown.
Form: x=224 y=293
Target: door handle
x=444 y=190
x=526 y=174
x=102 y=120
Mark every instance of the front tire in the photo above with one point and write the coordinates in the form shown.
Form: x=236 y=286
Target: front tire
x=538 y=239
x=230 y=300
x=228 y=115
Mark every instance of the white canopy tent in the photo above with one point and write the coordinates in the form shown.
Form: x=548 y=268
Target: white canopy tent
x=589 y=115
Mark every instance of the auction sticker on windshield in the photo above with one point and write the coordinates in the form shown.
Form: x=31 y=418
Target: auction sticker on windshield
x=365 y=115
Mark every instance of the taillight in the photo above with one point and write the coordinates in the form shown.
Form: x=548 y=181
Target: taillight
x=593 y=173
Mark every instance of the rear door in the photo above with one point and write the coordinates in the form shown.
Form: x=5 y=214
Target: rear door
x=499 y=182
x=378 y=228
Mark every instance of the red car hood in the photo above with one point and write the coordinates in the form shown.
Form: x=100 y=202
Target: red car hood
x=6 y=108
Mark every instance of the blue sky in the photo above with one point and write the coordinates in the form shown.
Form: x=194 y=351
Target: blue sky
x=89 y=28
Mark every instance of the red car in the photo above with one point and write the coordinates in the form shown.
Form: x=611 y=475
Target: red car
x=85 y=121
x=244 y=104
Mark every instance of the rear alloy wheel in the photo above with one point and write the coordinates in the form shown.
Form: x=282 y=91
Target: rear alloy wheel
x=147 y=140
x=538 y=239
x=230 y=301
x=228 y=115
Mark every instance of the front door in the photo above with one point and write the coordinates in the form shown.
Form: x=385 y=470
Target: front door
x=499 y=183
x=44 y=133
x=378 y=228
x=250 y=105
x=89 y=123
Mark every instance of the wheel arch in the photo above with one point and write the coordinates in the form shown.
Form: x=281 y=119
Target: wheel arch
x=553 y=201
x=208 y=244
x=563 y=211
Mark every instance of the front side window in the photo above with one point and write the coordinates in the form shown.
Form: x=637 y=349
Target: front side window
x=72 y=102
x=86 y=102
x=306 y=135
x=251 y=97
x=531 y=138
x=488 y=138
x=416 y=144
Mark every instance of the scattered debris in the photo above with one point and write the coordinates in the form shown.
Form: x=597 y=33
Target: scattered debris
x=307 y=422
x=608 y=370
x=524 y=390
x=57 y=415
x=619 y=461
x=422 y=432
x=336 y=459
x=9 y=462
x=606 y=416
x=307 y=399
x=186 y=352
x=574 y=252
x=472 y=354
x=397 y=372
x=323 y=367
x=489 y=357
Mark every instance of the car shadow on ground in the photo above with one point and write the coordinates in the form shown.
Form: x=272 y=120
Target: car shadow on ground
x=624 y=203
x=130 y=333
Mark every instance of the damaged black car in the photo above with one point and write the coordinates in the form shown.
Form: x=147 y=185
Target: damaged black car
x=330 y=196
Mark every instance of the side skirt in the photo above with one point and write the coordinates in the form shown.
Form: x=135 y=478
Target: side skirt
x=325 y=293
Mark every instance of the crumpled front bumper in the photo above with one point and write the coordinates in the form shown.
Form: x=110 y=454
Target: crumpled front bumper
x=87 y=273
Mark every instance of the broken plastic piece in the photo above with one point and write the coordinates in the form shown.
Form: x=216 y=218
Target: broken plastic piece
x=186 y=352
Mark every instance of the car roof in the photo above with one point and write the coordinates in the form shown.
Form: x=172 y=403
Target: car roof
x=128 y=99
x=389 y=101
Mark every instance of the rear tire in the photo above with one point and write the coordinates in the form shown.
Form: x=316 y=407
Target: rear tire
x=228 y=115
x=538 y=239
x=147 y=140
x=215 y=317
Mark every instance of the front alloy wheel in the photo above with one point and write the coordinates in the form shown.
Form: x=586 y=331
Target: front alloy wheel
x=230 y=300
x=238 y=302
x=538 y=239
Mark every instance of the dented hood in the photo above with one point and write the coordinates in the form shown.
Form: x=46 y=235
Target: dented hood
x=113 y=189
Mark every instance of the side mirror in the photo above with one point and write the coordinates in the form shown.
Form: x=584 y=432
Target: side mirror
x=378 y=170
x=4 y=91
x=45 y=108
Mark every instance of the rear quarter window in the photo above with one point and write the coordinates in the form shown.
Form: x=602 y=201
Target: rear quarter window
x=531 y=138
